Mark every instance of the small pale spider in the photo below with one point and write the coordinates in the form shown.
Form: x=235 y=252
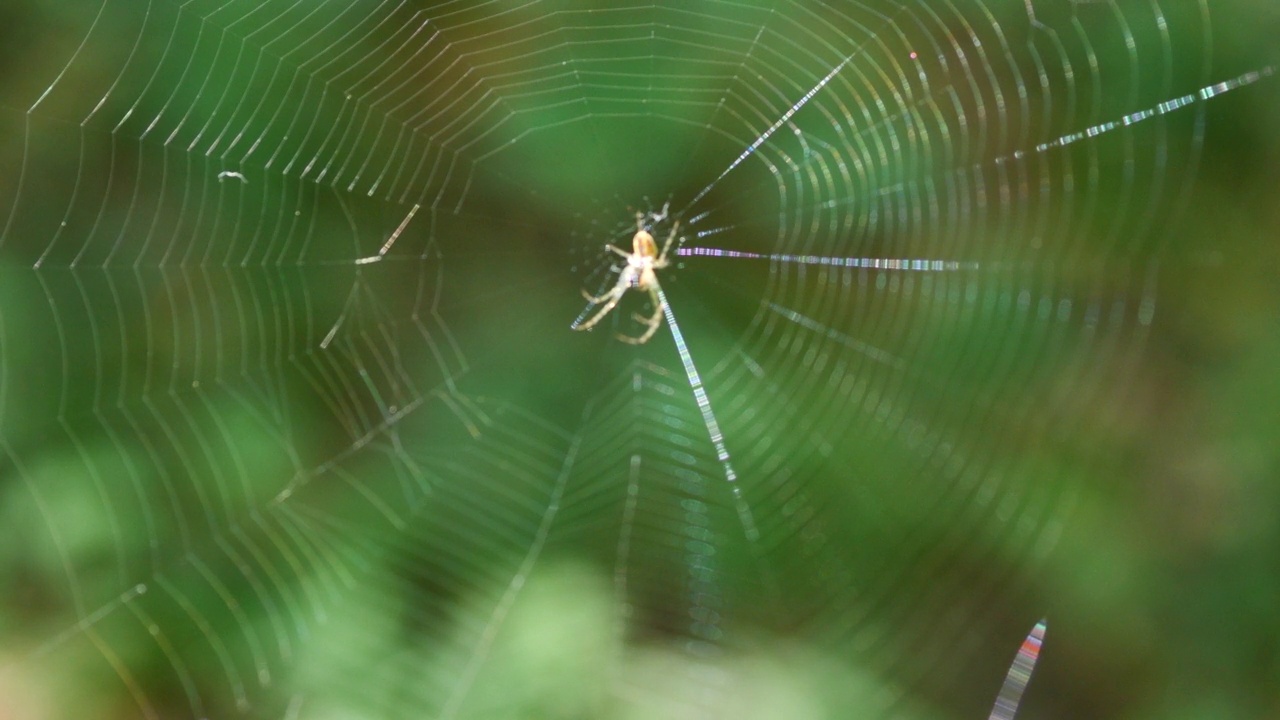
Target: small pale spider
x=639 y=272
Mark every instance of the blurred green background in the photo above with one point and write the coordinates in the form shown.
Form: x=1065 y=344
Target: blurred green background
x=243 y=475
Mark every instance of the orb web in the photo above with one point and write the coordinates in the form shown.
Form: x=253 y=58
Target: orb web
x=292 y=421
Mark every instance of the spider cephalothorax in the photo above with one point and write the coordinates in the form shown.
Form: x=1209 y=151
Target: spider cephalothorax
x=639 y=271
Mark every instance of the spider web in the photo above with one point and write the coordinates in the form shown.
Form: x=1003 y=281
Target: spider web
x=293 y=424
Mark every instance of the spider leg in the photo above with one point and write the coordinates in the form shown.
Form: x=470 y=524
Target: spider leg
x=662 y=256
x=614 y=293
x=610 y=300
x=653 y=322
x=627 y=277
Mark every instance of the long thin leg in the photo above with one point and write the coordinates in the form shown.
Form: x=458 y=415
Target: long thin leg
x=653 y=322
x=612 y=293
x=662 y=257
x=610 y=299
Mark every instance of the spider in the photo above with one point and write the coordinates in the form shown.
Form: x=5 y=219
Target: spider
x=639 y=272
